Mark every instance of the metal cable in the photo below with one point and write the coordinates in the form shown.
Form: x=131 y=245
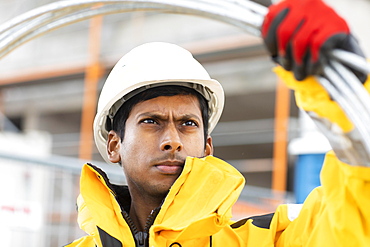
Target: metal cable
x=245 y=15
x=342 y=85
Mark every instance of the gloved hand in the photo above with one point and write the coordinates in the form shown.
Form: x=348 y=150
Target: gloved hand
x=300 y=33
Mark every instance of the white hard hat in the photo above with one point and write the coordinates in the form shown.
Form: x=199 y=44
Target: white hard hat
x=150 y=65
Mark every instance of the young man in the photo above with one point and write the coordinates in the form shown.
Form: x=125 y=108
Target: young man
x=155 y=113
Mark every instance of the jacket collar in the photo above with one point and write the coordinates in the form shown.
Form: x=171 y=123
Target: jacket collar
x=197 y=205
x=201 y=198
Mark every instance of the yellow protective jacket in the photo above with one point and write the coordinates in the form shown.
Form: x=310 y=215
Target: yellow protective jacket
x=197 y=211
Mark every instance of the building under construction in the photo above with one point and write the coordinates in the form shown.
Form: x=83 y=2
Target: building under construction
x=48 y=92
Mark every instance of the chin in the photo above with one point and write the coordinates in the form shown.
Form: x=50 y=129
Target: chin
x=162 y=189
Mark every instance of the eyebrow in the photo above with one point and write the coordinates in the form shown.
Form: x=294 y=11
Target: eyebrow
x=162 y=116
x=190 y=116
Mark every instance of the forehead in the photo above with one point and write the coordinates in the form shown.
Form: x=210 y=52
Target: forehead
x=180 y=104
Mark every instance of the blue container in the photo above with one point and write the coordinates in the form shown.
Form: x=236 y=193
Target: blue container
x=307 y=174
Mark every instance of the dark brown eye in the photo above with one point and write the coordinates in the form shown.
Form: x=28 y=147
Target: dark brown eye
x=149 y=121
x=190 y=123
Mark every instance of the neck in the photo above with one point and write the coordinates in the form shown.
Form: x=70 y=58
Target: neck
x=141 y=208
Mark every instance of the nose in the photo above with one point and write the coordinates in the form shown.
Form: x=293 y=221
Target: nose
x=171 y=141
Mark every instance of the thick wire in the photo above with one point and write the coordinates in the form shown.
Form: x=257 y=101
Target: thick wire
x=352 y=84
x=342 y=84
x=351 y=60
x=58 y=14
x=337 y=89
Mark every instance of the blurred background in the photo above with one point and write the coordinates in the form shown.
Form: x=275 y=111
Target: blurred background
x=48 y=92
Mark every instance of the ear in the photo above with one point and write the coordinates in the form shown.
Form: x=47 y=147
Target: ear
x=209 y=146
x=113 y=147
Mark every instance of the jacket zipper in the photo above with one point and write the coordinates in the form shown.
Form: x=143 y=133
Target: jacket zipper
x=141 y=238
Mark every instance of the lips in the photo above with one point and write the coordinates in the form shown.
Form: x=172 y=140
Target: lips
x=170 y=167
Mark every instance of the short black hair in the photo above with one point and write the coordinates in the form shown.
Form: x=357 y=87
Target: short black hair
x=119 y=120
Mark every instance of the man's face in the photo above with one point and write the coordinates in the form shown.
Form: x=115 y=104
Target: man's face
x=160 y=133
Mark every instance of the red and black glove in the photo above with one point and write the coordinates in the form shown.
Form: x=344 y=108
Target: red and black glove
x=300 y=33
